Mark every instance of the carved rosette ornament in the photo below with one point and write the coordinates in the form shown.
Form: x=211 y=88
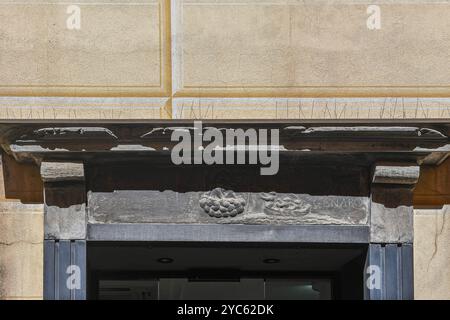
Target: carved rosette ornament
x=221 y=203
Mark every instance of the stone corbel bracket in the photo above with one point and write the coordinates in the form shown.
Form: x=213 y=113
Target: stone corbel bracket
x=62 y=171
x=396 y=174
x=64 y=201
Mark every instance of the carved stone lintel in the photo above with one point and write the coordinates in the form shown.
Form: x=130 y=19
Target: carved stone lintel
x=62 y=171
x=152 y=206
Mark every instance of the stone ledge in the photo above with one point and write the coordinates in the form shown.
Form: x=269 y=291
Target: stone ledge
x=385 y=174
x=62 y=171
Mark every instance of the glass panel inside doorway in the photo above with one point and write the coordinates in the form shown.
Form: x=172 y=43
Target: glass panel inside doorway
x=236 y=289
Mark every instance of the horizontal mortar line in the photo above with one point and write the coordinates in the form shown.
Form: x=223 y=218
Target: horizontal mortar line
x=6 y=243
x=368 y=99
x=294 y=103
x=310 y=110
x=87 y=106
x=299 y=103
x=82 y=3
x=317 y=86
x=312 y=95
x=22 y=297
x=285 y=104
x=315 y=3
x=75 y=86
x=363 y=99
x=223 y=87
x=228 y=4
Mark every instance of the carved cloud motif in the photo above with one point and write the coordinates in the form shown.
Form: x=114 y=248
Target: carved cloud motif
x=286 y=204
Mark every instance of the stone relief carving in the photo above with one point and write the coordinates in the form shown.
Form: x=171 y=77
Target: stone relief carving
x=221 y=203
x=165 y=131
x=286 y=204
x=70 y=132
x=226 y=207
x=363 y=131
x=289 y=208
x=430 y=133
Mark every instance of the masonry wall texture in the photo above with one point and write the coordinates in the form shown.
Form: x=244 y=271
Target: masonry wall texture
x=226 y=59
x=432 y=253
x=21 y=231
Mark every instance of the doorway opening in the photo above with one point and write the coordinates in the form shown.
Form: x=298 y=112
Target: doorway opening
x=223 y=271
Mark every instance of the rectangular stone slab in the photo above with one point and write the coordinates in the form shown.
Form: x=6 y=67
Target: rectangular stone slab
x=228 y=233
x=135 y=206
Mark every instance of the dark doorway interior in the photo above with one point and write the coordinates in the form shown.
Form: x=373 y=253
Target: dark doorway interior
x=128 y=270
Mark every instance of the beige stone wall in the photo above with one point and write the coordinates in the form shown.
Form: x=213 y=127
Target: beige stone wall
x=228 y=59
x=21 y=231
x=21 y=251
x=218 y=59
x=432 y=253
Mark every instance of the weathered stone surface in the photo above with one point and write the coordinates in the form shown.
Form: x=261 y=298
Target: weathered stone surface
x=220 y=203
x=122 y=45
x=21 y=250
x=391 y=225
x=65 y=211
x=278 y=48
x=228 y=233
x=140 y=206
x=73 y=132
x=62 y=171
x=21 y=270
x=20 y=222
x=391 y=215
x=310 y=108
x=26 y=108
x=276 y=51
x=432 y=253
x=82 y=108
x=260 y=208
x=396 y=174
x=362 y=130
x=65 y=223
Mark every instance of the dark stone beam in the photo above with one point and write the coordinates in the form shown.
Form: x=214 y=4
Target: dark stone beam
x=40 y=140
x=228 y=233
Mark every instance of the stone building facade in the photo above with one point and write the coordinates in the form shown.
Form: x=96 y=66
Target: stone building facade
x=90 y=93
